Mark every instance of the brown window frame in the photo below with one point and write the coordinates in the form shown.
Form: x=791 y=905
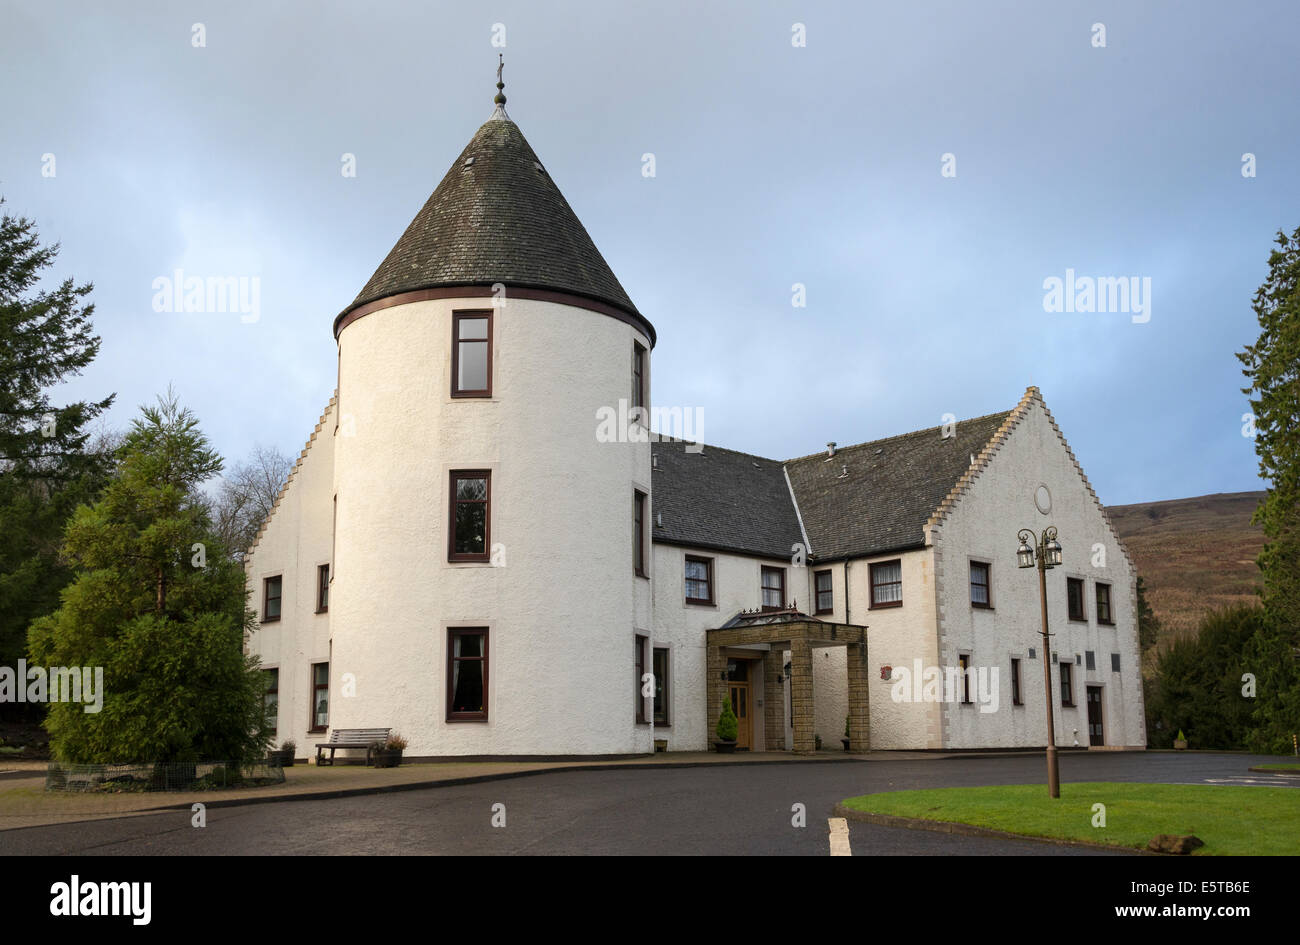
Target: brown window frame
x=987 y=585
x=661 y=686
x=1016 y=695
x=322 y=588
x=762 y=587
x=1067 y=684
x=638 y=382
x=1109 y=619
x=817 y=592
x=639 y=534
x=1082 y=614
x=963 y=661
x=452 y=501
x=266 y=598
x=708 y=579
x=315 y=688
x=452 y=633
x=456 y=318
x=642 y=642
x=872 y=584
x=273 y=688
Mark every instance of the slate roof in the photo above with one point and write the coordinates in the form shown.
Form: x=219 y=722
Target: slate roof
x=500 y=218
x=869 y=499
x=721 y=499
x=891 y=488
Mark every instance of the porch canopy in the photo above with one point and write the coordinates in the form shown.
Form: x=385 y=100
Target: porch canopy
x=788 y=629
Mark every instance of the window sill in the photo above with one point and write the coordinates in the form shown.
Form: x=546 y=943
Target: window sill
x=270 y=620
x=1078 y=620
x=975 y=606
x=699 y=603
x=1106 y=623
x=823 y=613
x=467 y=718
x=885 y=606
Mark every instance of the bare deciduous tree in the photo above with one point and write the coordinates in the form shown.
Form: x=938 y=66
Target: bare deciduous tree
x=246 y=494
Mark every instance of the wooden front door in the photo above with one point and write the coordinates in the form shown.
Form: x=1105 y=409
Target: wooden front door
x=740 y=705
x=1096 y=732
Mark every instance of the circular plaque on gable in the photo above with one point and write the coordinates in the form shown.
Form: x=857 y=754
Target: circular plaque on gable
x=1043 y=499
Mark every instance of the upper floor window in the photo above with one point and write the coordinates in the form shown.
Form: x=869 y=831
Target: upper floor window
x=773 y=588
x=1074 y=595
x=471 y=501
x=638 y=533
x=979 y=584
x=1103 y=604
x=471 y=354
x=271 y=589
x=699 y=580
x=1067 y=689
x=887 y=584
x=638 y=380
x=824 y=588
x=322 y=588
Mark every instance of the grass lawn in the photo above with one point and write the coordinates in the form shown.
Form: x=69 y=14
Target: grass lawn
x=1232 y=819
x=1295 y=768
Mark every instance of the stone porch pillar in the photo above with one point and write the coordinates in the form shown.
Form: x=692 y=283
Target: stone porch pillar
x=714 y=686
x=801 y=696
x=774 y=699
x=859 y=698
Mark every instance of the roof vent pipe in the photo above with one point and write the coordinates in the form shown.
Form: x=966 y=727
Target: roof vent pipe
x=830 y=449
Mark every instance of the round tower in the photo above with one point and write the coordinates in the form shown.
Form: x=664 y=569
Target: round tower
x=486 y=598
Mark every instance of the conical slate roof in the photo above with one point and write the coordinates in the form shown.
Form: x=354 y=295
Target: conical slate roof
x=497 y=217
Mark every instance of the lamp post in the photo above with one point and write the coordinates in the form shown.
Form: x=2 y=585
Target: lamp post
x=1046 y=552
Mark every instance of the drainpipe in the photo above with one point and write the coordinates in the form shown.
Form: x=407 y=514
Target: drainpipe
x=847 y=562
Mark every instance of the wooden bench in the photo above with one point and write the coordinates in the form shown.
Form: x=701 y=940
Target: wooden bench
x=351 y=738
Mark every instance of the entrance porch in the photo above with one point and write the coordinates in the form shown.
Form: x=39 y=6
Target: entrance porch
x=778 y=631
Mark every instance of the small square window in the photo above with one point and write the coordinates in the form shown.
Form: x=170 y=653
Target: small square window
x=886 y=584
x=979 y=585
x=1074 y=595
x=825 y=584
x=773 y=588
x=271 y=591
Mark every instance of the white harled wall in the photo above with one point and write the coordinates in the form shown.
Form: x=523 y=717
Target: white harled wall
x=982 y=525
x=563 y=609
x=293 y=544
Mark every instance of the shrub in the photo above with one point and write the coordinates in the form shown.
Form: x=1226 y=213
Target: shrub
x=728 y=724
x=396 y=742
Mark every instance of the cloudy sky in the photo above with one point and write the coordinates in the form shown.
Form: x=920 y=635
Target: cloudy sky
x=821 y=164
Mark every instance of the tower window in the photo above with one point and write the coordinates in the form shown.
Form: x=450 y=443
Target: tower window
x=471 y=354
x=471 y=502
x=638 y=383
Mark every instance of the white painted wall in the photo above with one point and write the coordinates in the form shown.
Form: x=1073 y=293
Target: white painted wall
x=563 y=610
x=983 y=525
x=293 y=544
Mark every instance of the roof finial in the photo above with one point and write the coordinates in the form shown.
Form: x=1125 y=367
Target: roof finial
x=501 y=64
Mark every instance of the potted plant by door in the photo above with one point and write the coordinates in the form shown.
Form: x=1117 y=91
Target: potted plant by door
x=1180 y=742
x=728 y=728
x=389 y=754
x=845 y=739
x=283 y=756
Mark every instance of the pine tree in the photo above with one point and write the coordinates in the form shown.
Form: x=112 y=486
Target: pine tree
x=47 y=466
x=160 y=604
x=1273 y=366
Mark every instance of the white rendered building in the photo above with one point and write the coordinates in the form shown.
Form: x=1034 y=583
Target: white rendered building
x=462 y=556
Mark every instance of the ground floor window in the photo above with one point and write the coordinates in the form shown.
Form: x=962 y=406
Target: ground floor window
x=272 y=700
x=661 y=685
x=638 y=695
x=467 y=674
x=320 y=696
x=1015 y=683
x=1067 y=693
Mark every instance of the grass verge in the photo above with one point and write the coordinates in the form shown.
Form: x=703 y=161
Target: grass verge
x=1233 y=820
